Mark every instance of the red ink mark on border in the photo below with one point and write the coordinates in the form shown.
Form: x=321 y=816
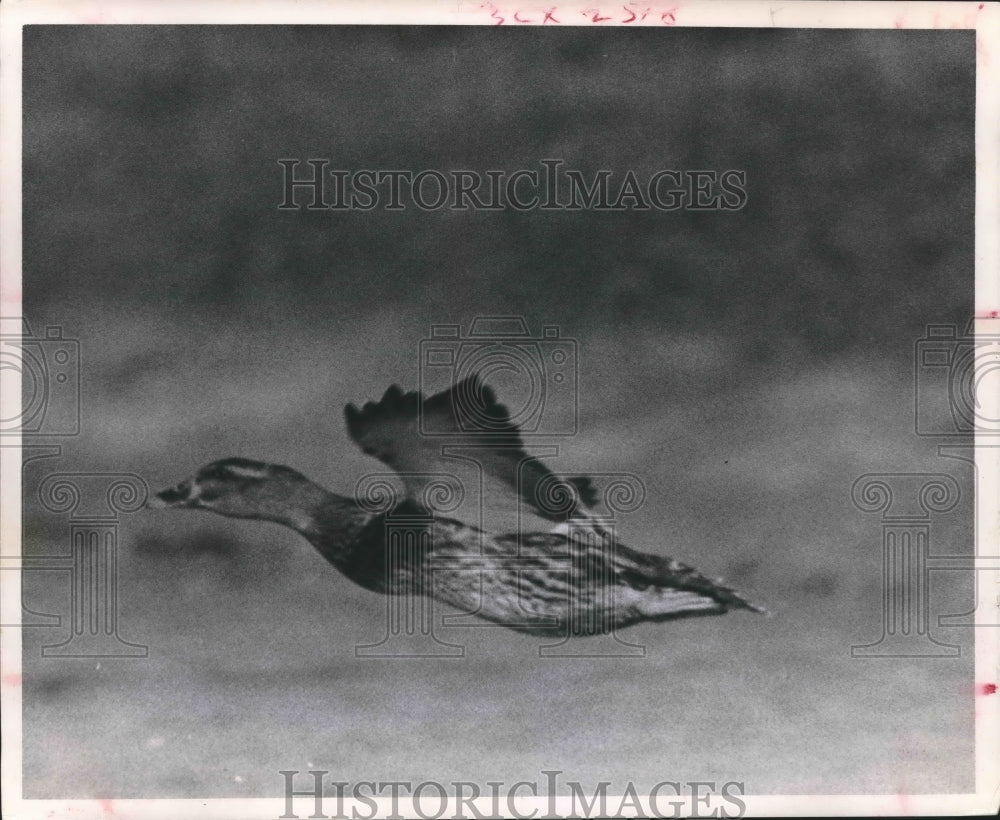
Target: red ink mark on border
x=494 y=12
x=13 y=679
x=986 y=689
x=636 y=12
x=645 y=11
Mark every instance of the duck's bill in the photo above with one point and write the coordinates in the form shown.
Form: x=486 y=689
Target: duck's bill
x=178 y=496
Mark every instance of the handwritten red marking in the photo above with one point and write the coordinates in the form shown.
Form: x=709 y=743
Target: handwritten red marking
x=12 y=679
x=986 y=689
x=494 y=12
x=634 y=12
x=634 y=15
x=108 y=806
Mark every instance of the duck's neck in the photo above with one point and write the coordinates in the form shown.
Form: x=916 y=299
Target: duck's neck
x=321 y=516
x=330 y=522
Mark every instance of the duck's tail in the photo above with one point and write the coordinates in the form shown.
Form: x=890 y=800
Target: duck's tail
x=670 y=577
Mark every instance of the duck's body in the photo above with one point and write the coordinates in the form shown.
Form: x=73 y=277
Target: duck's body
x=580 y=582
x=574 y=579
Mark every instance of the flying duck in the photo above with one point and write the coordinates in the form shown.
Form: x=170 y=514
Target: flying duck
x=481 y=524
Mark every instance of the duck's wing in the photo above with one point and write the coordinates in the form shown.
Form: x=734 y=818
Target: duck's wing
x=465 y=433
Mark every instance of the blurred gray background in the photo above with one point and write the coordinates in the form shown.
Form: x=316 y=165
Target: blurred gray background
x=749 y=366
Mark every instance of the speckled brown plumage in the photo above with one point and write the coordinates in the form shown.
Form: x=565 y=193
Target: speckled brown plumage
x=573 y=578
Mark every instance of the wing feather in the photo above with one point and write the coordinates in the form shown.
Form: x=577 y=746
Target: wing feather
x=466 y=424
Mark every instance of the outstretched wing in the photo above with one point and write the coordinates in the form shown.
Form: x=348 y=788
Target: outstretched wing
x=464 y=432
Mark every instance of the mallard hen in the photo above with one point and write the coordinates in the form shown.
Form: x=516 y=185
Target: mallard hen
x=503 y=552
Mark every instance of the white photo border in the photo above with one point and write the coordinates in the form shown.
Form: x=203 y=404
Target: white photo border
x=984 y=18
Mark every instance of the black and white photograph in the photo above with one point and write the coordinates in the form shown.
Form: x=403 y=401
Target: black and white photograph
x=495 y=411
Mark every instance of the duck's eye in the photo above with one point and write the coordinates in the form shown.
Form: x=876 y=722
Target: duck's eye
x=175 y=495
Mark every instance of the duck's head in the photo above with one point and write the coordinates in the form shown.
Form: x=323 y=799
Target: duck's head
x=239 y=488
